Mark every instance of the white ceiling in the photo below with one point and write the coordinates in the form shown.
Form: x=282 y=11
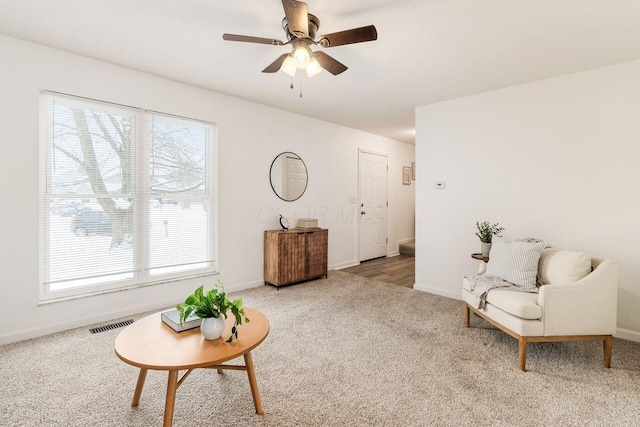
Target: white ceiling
x=427 y=50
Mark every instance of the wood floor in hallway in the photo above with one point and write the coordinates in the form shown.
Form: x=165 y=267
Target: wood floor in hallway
x=399 y=270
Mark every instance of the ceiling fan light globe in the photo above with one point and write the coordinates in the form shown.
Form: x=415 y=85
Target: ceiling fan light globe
x=288 y=66
x=313 y=68
x=301 y=56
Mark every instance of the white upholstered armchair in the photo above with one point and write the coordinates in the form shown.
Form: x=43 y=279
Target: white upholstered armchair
x=577 y=302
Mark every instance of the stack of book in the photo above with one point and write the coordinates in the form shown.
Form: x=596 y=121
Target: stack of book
x=172 y=319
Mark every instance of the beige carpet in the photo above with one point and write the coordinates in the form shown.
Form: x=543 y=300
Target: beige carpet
x=342 y=351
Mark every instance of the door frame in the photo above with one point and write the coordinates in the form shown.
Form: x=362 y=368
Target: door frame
x=358 y=206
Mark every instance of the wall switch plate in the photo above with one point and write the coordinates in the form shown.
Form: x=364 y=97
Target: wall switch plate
x=440 y=185
x=353 y=200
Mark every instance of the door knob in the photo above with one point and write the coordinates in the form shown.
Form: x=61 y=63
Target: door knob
x=362 y=213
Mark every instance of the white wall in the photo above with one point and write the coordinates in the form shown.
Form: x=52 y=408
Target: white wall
x=250 y=136
x=557 y=159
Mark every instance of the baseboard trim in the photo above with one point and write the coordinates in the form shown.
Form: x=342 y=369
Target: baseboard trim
x=437 y=291
x=627 y=334
x=242 y=286
x=342 y=265
x=409 y=240
x=394 y=253
x=38 y=331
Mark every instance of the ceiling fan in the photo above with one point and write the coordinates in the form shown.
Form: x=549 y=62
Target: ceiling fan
x=300 y=28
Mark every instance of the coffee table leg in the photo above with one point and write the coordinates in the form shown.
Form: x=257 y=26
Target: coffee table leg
x=248 y=361
x=172 y=386
x=136 y=395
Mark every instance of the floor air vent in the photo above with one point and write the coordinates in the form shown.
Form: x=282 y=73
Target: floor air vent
x=111 y=326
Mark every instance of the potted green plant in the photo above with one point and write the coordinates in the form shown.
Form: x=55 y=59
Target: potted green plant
x=485 y=232
x=213 y=307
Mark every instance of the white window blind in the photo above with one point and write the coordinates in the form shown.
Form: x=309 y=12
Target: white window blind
x=128 y=196
x=180 y=199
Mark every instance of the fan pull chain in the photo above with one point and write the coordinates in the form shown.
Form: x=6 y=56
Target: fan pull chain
x=291 y=86
x=300 y=83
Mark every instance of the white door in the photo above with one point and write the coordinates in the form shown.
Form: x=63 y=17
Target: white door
x=373 y=205
x=295 y=178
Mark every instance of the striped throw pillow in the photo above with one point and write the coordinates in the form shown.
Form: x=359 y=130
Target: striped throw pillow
x=515 y=262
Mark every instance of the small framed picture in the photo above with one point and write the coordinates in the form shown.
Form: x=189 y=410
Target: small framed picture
x=413 y=171
x=406 y=175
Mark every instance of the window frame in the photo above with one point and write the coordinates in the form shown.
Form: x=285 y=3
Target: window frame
x=140 y=195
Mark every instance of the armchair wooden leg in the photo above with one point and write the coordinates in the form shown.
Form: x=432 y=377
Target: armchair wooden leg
x=607 y=351
x=522 y=353
x=466 y=315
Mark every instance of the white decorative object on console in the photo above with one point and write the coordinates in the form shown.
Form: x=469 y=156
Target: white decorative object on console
x=307 y=223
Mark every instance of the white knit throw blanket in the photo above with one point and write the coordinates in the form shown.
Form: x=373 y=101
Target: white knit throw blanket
x=481 y=284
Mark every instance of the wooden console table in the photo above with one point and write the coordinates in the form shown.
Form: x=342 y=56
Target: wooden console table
x=294 y=255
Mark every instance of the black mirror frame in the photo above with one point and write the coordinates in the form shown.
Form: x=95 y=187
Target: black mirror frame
x=271 y=182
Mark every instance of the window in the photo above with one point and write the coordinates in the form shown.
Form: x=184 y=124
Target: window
x=129 y=197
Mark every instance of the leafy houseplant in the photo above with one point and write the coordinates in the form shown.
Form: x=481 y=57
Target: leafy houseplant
x=486 y=231
x=214 y=304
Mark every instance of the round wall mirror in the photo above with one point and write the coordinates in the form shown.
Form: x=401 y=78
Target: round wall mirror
x=288 y=176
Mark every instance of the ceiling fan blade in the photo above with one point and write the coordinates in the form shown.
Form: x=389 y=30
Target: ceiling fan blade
x=249 y=39
x=330 y=64
x=355 y=35
x=297 y=17
x=274 y=67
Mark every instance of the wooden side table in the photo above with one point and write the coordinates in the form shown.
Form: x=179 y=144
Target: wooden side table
x=483 y=266
x=480 y=257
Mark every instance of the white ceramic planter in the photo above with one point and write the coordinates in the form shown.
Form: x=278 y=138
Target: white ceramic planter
x=212 y=327
x=486 y=248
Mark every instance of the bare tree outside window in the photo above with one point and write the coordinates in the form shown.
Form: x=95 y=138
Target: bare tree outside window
x=100 y=145
x=177 y=161
x=129 y=196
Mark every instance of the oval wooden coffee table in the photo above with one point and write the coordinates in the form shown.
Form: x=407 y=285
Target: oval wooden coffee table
x=150 y=344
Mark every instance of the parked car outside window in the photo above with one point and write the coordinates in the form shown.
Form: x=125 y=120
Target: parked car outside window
x=167 y=201
x=63 y=209
x=91 y=222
